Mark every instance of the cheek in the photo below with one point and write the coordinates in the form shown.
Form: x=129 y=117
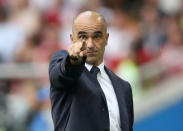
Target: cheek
x=75 y=38
x=101 y=45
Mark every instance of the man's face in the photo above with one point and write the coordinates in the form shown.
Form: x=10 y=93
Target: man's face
x=93 y=32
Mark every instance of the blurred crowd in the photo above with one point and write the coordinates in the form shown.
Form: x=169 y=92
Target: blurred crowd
x=140 y=32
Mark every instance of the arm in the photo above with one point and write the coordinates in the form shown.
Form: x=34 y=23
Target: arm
x=62 y=73
x=66 y=66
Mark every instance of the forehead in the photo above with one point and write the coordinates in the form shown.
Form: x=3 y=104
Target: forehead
x=88 y=28
x=89 y=23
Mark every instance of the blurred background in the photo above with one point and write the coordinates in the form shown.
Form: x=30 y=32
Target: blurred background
x=145 y=47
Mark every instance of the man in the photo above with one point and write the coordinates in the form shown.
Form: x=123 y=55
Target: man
x=86 y=95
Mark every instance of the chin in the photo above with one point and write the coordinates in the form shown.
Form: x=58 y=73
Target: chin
x=91 y=60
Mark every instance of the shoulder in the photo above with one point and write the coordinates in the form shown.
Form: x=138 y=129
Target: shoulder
x=57 y=57
x=60 y=53
x=115 y=76
x=124 y=84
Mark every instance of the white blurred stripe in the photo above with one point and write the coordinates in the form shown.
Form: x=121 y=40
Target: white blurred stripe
x=159 y=97
x=26 y=70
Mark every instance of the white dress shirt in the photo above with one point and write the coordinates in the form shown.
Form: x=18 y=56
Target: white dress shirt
x=110 y=95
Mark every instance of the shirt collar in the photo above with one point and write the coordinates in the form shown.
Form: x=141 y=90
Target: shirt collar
x=101 y=66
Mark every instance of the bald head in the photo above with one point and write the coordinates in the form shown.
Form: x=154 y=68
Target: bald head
x=91 y=18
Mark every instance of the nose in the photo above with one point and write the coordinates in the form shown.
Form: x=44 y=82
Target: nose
x=90 y=43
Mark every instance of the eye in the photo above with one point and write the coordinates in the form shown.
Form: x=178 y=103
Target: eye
x=83 y=37
x=97 y=36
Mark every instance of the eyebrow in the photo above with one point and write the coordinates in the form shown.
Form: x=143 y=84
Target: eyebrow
x=98 y=32
x=81 y=33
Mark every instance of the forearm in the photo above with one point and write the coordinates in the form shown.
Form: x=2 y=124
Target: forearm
x=61 y=72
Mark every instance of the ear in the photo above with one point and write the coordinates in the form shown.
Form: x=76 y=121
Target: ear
x=71 y=37
x=107 y=37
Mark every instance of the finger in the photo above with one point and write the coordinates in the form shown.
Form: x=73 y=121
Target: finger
x=83 y=45
x=79 y=45
x=76 y=50
x=73 y=51
x=83 y=53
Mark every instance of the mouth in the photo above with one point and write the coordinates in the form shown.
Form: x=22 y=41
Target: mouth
x=91 y=52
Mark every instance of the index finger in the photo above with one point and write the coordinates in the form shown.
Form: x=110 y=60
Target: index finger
x=83 y=45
